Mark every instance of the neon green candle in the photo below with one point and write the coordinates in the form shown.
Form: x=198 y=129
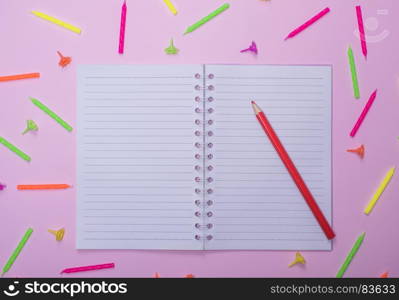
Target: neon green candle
x=355 y=81
x=51 y=114
x=351 y=255
x=14 y=149
x=207 y=18
x=17 y=250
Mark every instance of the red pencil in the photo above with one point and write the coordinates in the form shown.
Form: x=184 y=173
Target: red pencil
x=293 y=172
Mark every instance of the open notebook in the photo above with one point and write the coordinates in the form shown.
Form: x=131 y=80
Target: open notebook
x=172 y=157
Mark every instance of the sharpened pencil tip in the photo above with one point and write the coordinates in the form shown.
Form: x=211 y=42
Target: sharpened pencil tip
x=255 y=107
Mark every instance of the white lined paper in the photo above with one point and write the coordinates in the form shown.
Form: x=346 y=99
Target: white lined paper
x=256 y=203
x=136 y=157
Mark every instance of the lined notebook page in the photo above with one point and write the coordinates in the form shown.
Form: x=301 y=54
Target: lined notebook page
x=256 y=203
x=136 y=157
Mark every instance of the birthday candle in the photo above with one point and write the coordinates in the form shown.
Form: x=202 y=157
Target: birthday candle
x=362 y=35
x=308 y=23
x=57 y=22
x=355 y=81
x=122 y=29
x=19 y=76
x=17 y=250
x=379 y=191
x=171 y=7
x=42 y=186
x=209 y=17
x=363 y=114
x=52 y=114
x=88 y=268
x=351 y=255
x=14 y=149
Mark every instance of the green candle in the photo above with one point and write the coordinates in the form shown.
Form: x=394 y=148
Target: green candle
x=14 y=149
x=352 y=65
x=17 y=250
x=207 y=18
x=350 y=256
x=51 y=114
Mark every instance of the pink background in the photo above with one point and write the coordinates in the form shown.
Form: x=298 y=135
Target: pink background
x=29 y=44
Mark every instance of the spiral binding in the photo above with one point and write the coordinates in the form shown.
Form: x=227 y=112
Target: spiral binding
x=204 y=179
x=208 y=145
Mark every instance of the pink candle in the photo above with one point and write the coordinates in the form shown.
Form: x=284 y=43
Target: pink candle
x=308 y=23
x=122 y=29
x=88 y=268
x=364 y=113
x=361 y=30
